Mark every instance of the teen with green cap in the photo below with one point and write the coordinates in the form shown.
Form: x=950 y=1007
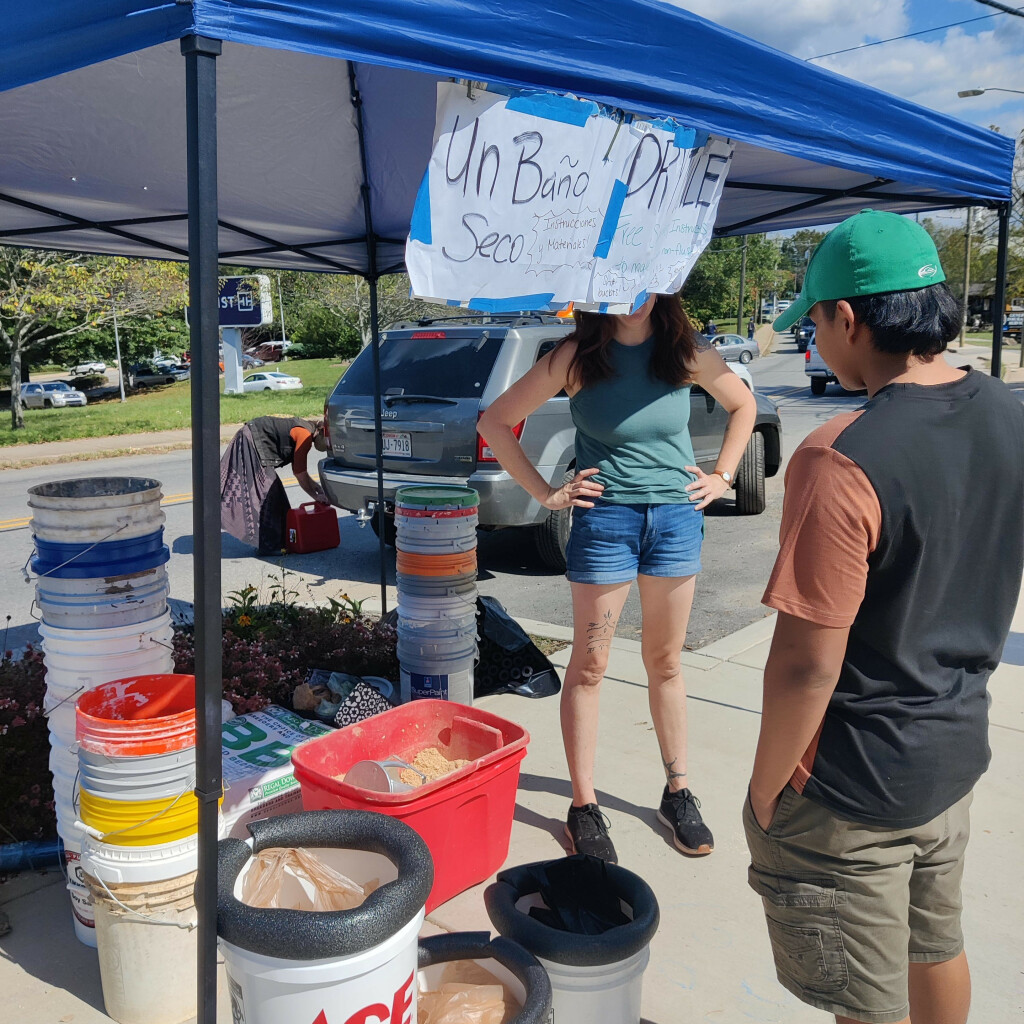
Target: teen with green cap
x=900 y=566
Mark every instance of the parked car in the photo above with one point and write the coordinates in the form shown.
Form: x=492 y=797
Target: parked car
x=733 y=348
x=53 y=394
x=803 y=332
x=816 y=368
x=86 y=368
x=437 y=377
x=251 y=362
x=143 y=375
x=271 y=381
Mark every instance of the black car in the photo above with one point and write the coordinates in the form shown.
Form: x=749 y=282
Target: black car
x=803 y=331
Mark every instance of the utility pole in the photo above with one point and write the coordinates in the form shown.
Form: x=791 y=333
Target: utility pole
x=967 y=273
x=117 y=349
x=280 y=306
x=743 y=290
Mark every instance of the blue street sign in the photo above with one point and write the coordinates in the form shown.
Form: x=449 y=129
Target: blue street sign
x=245 y=301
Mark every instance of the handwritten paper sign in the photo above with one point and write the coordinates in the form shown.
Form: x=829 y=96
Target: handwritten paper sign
x=535 y=201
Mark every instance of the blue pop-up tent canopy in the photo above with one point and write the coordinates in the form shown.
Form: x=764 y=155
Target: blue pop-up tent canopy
x=295 y=132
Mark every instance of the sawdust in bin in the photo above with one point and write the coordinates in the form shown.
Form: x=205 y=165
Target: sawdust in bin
x=432 y=764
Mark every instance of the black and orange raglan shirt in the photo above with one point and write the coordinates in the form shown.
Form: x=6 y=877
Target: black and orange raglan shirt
x=904 y=521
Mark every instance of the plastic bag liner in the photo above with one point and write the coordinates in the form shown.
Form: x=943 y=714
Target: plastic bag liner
x=582 y=922
x=460 y=949
x=296 y=879
x=302 y=935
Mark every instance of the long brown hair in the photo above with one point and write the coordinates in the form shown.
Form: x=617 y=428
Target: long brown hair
x=675 y=344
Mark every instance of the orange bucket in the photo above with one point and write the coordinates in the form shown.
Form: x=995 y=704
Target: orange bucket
x=458 y=563
x=152 y=714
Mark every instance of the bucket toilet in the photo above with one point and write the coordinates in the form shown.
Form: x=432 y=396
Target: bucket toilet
x=594 y=978
x=297 y=965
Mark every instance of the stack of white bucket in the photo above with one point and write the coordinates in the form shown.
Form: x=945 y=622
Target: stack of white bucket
x=436 y=542
x=100 y=563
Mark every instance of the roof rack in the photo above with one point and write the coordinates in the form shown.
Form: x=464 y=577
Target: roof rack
x=522 y=319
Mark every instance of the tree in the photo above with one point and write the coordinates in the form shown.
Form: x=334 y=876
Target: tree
x=48 y=296
x=712 y=290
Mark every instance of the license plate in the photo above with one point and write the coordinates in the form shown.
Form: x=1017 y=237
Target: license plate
x=398 y=444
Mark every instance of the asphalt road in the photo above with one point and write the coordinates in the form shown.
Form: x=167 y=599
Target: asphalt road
x=738 y=552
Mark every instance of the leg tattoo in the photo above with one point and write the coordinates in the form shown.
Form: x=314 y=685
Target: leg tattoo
x=600 y=634
x=671 y=772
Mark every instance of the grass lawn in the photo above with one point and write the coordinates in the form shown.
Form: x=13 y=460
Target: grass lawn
x=169 y=407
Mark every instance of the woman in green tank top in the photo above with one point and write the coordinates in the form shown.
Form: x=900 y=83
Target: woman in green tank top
x=637 y=501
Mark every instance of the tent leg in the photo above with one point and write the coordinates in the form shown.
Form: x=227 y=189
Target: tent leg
x=999 y=299
x=371 y=278
x=378 y=436
x=201 y=116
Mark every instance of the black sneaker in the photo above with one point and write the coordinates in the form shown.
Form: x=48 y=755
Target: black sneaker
x=681 y=812
x=587 y=829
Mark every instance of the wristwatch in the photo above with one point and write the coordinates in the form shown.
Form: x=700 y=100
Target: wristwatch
x=727 y=477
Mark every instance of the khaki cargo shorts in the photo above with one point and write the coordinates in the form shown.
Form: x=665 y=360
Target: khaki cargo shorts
x=850 y=906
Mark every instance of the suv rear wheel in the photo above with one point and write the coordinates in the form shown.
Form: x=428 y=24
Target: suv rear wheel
x=552 y=536
x=750 y=499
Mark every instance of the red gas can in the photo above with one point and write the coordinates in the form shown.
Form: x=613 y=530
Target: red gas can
x=311 y=527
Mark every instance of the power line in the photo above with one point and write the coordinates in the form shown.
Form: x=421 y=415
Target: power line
x=1019 y=11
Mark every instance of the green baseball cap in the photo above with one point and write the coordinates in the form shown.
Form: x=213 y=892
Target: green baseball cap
x=870 y=253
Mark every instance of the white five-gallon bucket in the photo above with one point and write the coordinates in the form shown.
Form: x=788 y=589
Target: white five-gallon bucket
x=597 y=978
x=82 y=914
x=147 y=940
x=88 y=510
x=356 y=965
x=601 y=994
x=103 y=603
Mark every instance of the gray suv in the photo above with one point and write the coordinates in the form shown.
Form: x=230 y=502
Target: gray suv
x=438 y=375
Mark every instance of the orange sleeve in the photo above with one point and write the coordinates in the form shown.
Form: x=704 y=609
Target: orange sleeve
x=831 y=521
x=303 y=443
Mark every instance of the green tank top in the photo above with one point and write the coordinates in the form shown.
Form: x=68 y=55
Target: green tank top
x=634 y=429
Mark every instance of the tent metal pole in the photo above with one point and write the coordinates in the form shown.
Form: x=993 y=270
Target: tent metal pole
x=201 y=120
x=372 y=276
x=743 y=288
x=999 y=299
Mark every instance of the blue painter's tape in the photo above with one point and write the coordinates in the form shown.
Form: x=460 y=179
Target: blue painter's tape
x=514 y=304
x=420 y=229
x=640 y=299
x=603 y=308
x=554 y=108
x=453 y=302
x=701 y=139
x=611 y=220
x=686 y=138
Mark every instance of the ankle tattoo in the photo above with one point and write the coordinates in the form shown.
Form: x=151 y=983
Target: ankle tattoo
x=670 y=770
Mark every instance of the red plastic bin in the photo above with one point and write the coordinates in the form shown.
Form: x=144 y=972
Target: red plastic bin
x=465 y=818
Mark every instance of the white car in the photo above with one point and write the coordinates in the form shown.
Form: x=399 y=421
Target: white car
x=270 y=380
x=743 y=373
x=54 y=394
x=83 y=369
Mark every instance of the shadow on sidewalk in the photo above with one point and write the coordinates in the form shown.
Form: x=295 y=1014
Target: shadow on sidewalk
x=561 y=787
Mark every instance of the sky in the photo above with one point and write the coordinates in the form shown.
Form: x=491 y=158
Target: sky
x=929 y=69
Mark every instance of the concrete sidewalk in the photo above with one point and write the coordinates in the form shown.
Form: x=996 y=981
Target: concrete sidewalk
x=710 y=959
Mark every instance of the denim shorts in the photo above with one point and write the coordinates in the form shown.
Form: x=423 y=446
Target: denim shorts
x=612 y=543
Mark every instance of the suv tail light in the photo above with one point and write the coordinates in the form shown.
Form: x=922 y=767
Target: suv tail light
x=807 y=355
x=327 y=427
x=483 y=449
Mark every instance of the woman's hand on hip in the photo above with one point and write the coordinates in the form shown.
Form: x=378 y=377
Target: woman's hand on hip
x=706 y=488
x=576 y=492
